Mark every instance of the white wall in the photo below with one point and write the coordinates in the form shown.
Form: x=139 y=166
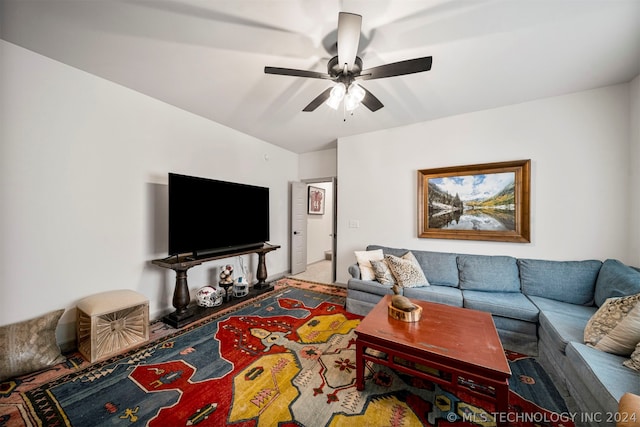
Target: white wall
x=579 y=147
x=634 y=181
x=320 y=227
x=318 y=164
x=83 y=187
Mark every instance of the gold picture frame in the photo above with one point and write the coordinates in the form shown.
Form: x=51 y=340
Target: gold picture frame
x=488 y=201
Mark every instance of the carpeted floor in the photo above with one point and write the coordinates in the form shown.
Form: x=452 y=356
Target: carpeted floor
x=284 y=359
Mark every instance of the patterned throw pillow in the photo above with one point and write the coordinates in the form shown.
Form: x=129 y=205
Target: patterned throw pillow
x=634 y=361
x=364 y=259
x=615 y=327
x=29 y=346
x=383 y=273
x=406 y=270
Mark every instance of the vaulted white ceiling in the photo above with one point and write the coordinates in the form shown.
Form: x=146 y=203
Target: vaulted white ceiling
x=208 y=57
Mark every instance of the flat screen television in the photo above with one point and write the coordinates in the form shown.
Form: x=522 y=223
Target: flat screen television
x=208 y=216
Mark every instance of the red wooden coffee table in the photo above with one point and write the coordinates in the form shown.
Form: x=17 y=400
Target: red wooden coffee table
x=451 y=346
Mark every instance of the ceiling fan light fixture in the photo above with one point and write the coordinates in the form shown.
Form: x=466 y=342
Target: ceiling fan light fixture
x=336 y=95
x=346 y=67
x=351 y=102
x=356 y=91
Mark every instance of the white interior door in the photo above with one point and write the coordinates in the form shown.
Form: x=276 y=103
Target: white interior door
x=298 y=256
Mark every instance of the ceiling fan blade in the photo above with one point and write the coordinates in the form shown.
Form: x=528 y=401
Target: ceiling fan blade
x=349 y=25
x=296 y=73
x=318 y=100
x=370 y=101
x=409 y=66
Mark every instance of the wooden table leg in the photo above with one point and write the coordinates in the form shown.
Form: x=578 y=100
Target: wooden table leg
x=502 y=404
x=360 y=362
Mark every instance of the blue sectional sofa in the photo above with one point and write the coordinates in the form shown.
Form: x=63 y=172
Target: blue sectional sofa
x=539 y=308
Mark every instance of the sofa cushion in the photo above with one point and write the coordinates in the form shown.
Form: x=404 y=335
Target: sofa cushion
x=615 y=327
x=602 y=373
x=488 y=273
x=364 y=262
x=506 y=304
x=440 y=294
x=562 y=322
x=616 y=280
x=441 y=268
x=406 y=270
x=567 y=281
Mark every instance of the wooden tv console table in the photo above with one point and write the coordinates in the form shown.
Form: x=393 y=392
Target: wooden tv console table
x=181 y=298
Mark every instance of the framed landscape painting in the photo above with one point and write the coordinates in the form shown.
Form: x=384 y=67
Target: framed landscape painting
x=475 y=202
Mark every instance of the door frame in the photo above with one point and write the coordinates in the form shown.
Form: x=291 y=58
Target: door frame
x=334 y=211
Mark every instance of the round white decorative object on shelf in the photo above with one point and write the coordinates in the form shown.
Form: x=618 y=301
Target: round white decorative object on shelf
x=209 y=296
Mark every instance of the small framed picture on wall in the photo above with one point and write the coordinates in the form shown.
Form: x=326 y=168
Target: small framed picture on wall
x=316 y=200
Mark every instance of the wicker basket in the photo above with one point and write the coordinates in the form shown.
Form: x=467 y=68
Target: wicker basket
x=405 y=316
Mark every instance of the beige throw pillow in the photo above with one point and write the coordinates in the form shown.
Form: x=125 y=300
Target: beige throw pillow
x=406 y=270
x=29 y=346
x=615 y=327
x=383 y=273
x=364 y=259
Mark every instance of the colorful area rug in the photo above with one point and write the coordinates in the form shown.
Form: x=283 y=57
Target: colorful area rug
x=284 y=359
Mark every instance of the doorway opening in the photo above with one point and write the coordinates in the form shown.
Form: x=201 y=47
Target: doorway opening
x=320 y=234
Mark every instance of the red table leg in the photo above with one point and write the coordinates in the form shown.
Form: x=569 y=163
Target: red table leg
x=359 y=366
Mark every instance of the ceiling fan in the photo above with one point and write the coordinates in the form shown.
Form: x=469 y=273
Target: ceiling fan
x=346 y=69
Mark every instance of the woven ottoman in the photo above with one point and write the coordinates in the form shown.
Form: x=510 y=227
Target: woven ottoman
x=111 y=322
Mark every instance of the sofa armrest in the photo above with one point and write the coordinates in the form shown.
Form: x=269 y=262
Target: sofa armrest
x=354 y=271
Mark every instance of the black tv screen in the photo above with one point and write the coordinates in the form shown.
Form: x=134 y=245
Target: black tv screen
x=209 y=216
